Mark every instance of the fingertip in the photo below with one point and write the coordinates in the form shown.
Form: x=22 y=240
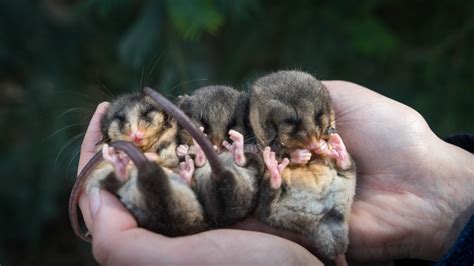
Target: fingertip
x=103 y=105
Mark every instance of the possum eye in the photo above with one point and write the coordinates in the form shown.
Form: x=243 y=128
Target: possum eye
x=292 y=121
x=302 y=133
x=148 y=111
x=318 y=115
x=146 y=114
x=120 y=118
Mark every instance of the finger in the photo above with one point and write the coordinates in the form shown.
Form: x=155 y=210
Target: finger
x=190 y=163
x=111 y=220
x=227 y=145
x=236 y=136
x=86 y=215
x=92 y=136
x=283 y=164
x=266 y=154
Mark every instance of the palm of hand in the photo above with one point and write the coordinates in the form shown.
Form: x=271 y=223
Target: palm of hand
x=391 y=144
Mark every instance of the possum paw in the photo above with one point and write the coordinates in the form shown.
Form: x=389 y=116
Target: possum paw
x=236 y=148
x=119 y=161
x=200 y=158
x=186 y=169
x=182 y=150
x=339 y=152
x=300 y=156
x=320 y=147
x=273 y=167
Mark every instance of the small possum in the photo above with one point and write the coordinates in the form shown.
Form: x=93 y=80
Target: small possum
x=311 y=194
x=138 y=119
x=229 y=193
x=165 y=205
x=220 y=111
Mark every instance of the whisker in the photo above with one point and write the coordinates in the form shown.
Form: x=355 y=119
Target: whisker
x=102 y=85
x=77 y=93
x=156 y=58
x=67 y=144
x=64 y=128
x=141 y=79
x=74 y=109
x=75 y=154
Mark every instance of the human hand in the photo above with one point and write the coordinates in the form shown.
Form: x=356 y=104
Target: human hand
x=117 y=239
x=414 y=191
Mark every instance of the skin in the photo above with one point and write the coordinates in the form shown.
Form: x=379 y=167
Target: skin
x=412 y=200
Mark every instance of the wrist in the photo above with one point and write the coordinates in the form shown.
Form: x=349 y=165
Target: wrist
x=452 y=172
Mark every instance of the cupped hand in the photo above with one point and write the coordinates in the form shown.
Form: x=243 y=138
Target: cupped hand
x=117 y=240
x=414 y=192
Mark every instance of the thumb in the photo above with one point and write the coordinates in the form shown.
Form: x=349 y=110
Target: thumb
x=110 y=220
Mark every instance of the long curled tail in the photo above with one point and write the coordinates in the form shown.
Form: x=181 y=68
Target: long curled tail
x=218 y=169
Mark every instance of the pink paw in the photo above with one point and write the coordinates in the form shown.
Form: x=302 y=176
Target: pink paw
x=186 y=169
x=200 y=158
x=236 y=148
x=182 y=150
x=119 y=161
x=274 y=168
x=320 y=147
x=300 y=156
x=339 y=152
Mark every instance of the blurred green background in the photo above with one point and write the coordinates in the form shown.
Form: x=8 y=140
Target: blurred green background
x=60 y=58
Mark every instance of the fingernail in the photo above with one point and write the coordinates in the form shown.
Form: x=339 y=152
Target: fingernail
x=103 y=105
x=94 y=201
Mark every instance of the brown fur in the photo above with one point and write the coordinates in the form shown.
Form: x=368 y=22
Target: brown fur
x=290 y=110
x=233 y=197
x=166 y=205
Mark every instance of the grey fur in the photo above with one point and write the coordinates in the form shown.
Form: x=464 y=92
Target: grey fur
x=286 y=109
x=219 y=109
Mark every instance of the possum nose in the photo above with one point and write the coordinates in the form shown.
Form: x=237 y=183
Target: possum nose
x=137 y=136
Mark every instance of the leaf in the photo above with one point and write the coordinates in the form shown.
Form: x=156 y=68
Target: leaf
x=192 y=18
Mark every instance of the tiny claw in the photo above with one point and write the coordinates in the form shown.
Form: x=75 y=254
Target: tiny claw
x=187 y=169
x=119 y=162
x=182 y=150
x=226 y=145
x=273 y=167
x=300 y=156
x=200 y=159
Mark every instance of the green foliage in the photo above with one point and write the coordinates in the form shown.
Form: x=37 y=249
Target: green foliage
x=192 y=18
x=59 y=59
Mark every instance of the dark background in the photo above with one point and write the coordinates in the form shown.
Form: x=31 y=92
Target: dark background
x=60 y=58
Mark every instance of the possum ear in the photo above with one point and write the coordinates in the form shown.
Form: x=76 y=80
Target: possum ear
x=182 y=100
